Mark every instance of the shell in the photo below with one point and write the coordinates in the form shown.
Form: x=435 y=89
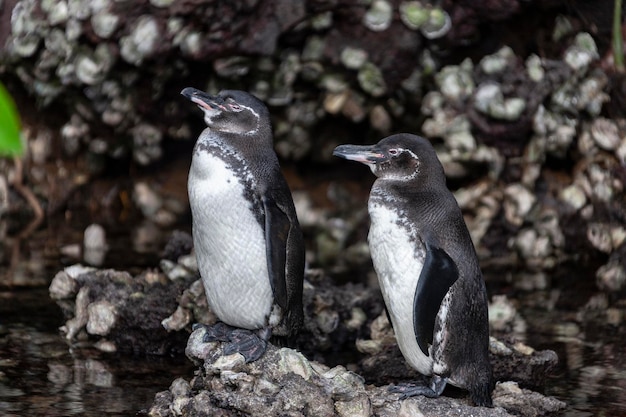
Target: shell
x=291 y=361
x=605 y=133
x=80 y=9
x=58 y=12
x=489 y=100
x=353 y=58
x=455 y=81
x=371 y=80
x=146 y=143
x=518 y=202
x=437 y=25
x=104 y=24
x=582 y=53
x=498 y=62
x=142 y=42
x=161 y=3
x=379 y=16
x=534 y=68
x=413 y=14
x=612 y=276
x=573 y=195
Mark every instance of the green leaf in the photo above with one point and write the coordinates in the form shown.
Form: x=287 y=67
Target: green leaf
x=10 y=143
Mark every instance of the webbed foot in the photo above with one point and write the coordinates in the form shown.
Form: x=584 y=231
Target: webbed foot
x=251 y=344
x=433 y=390
x=218 y=332
x=246 y=342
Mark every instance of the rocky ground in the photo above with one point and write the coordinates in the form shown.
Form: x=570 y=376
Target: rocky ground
x=345 y=358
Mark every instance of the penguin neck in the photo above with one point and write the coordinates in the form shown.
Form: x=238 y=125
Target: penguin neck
x=421 y=183
x=255 y=150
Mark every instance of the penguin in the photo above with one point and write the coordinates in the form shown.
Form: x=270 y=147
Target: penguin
x=246 y=234
x=427 y=268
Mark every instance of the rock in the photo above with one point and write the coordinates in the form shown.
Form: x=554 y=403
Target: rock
x=62 y=286
x=523 y=402
x=127 y=310
x=283 y=380
x=94 y=245
x=102 y=318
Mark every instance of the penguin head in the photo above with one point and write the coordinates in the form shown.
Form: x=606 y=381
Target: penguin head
x=401 y=157
x=230 y=111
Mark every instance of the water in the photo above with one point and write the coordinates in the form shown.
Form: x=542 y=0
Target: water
x=586 y=330
x=42 y=375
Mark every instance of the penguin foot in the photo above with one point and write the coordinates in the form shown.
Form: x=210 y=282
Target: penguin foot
x=434 y=390
x=250 y=344
x=246 y=342
x=219 y=332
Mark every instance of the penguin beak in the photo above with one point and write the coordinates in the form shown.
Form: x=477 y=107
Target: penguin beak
x=206 y=102
x=364 y=154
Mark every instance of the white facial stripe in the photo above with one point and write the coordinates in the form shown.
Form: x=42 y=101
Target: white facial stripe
x=256 y=115
x=210 y=113
x=403 y=177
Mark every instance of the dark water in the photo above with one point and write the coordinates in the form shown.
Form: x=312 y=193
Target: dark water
x=42 y=375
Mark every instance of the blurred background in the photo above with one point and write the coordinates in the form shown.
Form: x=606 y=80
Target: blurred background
x=524 y=101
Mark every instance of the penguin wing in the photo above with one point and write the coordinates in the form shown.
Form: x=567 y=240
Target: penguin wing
x=277 y=227
x=438 y=274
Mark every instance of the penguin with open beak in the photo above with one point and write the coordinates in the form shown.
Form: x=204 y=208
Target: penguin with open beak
x=427 y=268
x=246 y=235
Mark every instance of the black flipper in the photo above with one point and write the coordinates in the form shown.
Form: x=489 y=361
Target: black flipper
x=277 y=227
x=438 y=275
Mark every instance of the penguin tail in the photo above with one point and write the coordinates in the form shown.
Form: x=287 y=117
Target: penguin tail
x=480 y=390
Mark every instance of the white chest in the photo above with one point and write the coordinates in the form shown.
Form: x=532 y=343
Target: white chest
x=398 y=257
x=229 y=243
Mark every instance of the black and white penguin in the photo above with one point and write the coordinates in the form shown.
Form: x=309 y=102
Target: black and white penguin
x=246 y=235
x=427 y=268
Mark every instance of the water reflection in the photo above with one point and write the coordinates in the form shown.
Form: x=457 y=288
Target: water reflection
x=41 y=375
x=585 y=328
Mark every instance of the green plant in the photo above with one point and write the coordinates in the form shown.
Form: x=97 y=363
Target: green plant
x=618 y=47
x=10 y=143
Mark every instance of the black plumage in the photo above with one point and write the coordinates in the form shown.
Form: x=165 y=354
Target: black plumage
x=246 y=234
x=427 y=267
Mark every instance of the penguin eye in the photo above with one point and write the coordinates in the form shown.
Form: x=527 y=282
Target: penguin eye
x=394 y=152
x=232 y=105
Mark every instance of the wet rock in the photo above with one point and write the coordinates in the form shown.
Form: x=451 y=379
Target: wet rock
x=520 y=401
x=510 y=361
x=284 y=380
x=62 y=286
x=117 y=311
x=102 y=318
x=180 y=319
